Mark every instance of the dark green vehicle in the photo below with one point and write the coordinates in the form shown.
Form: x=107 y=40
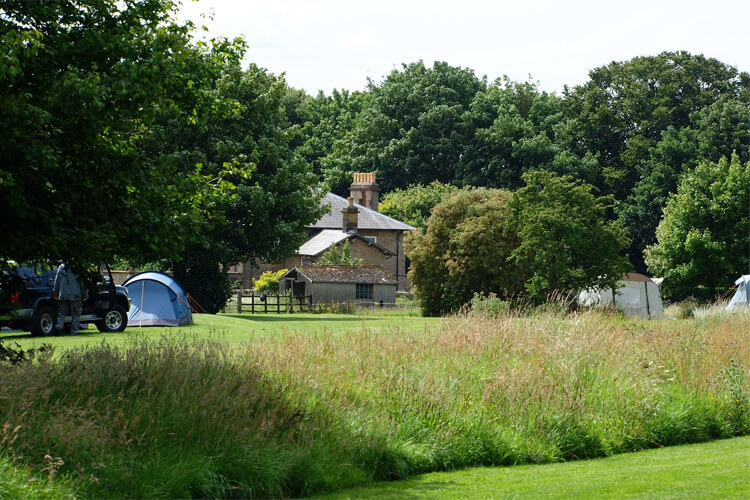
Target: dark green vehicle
x=29 y=303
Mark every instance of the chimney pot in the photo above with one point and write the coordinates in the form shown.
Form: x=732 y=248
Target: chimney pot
x=365 y=190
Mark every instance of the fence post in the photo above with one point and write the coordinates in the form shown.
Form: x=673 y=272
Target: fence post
x=252 y=302
x=239 y=300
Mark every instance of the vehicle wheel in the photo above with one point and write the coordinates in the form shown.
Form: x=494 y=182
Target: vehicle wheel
x=115 y=320
x=44 y=321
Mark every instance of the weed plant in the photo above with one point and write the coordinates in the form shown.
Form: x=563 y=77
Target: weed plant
x=309 y=413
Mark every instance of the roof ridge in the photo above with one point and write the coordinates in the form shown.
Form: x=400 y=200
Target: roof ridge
x=370 y=210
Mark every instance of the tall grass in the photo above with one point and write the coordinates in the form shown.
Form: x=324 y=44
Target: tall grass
x=318 y=412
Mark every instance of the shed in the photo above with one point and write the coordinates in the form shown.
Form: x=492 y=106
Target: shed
x=636 y=296
x=157 y=299
x=335 y=284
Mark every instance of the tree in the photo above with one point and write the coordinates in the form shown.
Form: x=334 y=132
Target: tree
x=716 y=131
x=514 y=128
x=259 y=195
x=412 y=132
x=335 y=257
x=414 y=204
x=566 y=241
x=464 y=251
x=624 y=108
x=704 y=238
x=321 y=126
x=81 y=84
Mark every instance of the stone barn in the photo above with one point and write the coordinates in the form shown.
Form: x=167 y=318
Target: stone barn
x=336 y=284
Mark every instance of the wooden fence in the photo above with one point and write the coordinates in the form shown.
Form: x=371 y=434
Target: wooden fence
x=254 y=302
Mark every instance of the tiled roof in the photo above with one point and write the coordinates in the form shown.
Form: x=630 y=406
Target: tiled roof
x=368 y=218
x=347 y=274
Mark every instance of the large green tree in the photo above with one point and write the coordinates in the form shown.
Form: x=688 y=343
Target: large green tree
x=321 y=128
x=704 y=239
x=514 y=128
x=259 y=194
x=81 y=83
x=567 y=242
x=413 y=131
x=717 y=131
x=622 y=111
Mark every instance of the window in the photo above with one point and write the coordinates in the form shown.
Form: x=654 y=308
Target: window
x=364 y=291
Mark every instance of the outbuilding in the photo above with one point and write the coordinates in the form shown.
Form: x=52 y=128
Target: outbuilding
x=337 y=284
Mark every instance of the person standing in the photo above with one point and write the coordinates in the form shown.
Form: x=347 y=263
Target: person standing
x=69 y=293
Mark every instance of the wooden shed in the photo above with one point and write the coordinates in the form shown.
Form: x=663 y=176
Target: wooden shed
x=329 y=284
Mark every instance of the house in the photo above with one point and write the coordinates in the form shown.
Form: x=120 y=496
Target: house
x=373 y=237
x=329 y=284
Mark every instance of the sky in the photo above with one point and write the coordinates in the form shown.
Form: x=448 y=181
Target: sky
x=339 y=44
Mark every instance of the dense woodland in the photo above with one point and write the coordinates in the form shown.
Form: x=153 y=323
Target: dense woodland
x=124 y=138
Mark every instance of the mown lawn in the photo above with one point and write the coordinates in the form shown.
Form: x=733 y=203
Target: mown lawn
x=720 y=469
x=237 y=328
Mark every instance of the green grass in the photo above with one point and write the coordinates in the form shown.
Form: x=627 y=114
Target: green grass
x=236 y=328
x=18 y=483
x=720 y=469
x=294 y=405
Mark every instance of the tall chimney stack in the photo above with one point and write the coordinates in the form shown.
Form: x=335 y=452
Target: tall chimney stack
x=350 y=219
x=365 y=190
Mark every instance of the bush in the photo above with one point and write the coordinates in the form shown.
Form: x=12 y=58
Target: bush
x=269 y=281
x=489 y=305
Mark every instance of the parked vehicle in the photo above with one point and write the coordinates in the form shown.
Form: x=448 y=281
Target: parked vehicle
x=34 y=308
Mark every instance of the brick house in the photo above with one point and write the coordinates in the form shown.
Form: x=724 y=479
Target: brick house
x=373 y=237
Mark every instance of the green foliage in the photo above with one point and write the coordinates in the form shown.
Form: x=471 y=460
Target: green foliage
x=414 y=204
x=16 y=355
x=269 y=280
x=81 y=86
x=716 y=131
x=515 y=129
x=488 y=304
x=566 y=242
x=464 y=251
x=622 y=111
x=258 y=194
x=206 y=283
x=412 y=131
x=703 y=238
x=335 y=257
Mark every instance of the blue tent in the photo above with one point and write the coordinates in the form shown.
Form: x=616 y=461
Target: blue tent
x=157 y=300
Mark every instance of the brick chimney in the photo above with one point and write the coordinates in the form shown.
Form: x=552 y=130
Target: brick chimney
x=365 y=190
x=350 y=217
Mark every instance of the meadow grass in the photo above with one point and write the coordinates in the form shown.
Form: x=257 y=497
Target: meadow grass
x=293 y=412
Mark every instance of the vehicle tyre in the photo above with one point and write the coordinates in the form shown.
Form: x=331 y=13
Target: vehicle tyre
x=115 y=320
x=44 y=321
